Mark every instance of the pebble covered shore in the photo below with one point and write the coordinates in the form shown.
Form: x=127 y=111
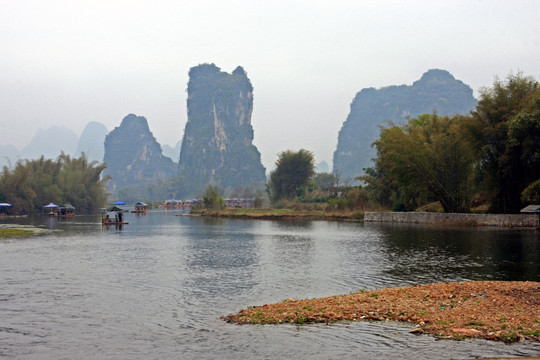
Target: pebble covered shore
x=495 y=310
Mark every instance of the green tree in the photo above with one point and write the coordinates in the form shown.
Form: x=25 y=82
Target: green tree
x=212 y=200
x=509 y=115
x=379 y=186
x=524 y=147
x=292 y=174
x=34 y=183
x=16 y=189
x=324 y=181
x=431 y=157
x=531 y=194
x=82 y=183
x=43 y=180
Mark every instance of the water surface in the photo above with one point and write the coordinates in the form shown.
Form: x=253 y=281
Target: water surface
x=156 y=288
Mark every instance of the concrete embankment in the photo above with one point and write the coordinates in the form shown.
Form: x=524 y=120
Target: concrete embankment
x=502 y=220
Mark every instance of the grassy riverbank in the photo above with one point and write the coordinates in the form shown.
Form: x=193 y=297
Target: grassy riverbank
x=10 y=232
x=281 y=214
x=495 y=310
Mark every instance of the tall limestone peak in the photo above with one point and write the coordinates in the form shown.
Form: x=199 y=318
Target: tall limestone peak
x=436 y=91
x=133 y=156
x=218 y=145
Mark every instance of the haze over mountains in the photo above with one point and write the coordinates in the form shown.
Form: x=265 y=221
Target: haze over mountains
x=9 y=154
x=172 y=152
x=436 y=91
x=52 y=141
x=218 y=145
x=91 y=141
x=48 y=142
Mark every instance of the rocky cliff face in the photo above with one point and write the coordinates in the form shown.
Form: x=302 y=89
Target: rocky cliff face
x=437 y=91
x=217 y=145
x=134 y=157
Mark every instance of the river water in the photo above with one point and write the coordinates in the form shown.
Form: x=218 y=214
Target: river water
x=156 y=288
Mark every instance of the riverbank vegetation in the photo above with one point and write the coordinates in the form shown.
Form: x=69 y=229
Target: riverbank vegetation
x=495 y=310
x=281 y=214
x=292 y=174
x=489 y=157
x=10 y=232
x=487 y=161
x=32 y=184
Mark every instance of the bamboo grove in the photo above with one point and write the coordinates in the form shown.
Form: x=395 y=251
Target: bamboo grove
x=31 y=184
x=490 y=157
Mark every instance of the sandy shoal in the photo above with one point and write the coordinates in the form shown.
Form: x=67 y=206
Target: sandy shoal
x=496 y=310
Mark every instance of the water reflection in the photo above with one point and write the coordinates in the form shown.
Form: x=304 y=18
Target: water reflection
x=221 y=256
x=422 y=254
x=296 y=226
x=117 y=227
x=157 y=288
x=360 y=248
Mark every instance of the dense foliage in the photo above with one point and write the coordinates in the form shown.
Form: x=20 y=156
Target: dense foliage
x=324 y=181
x=292 y=174
x=31 y=184
x=212 y=200
x=494 y=154
x=509 y=114
x=428 y=158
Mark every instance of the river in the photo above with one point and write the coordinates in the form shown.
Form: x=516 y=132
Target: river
x=156 y=288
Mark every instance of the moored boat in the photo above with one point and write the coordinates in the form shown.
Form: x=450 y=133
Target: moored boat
x=140 y=208
x=107 y=217
x=66 y=211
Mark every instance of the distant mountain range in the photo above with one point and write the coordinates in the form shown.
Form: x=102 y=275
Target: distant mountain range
x=172 y=152
x=48 y=142
x=218 y=148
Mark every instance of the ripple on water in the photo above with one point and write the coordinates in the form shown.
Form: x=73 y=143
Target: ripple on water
x=158 y=287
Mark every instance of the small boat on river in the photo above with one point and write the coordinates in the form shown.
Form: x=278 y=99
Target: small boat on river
x=107 y=217
x=140 y=208
x=66 y=211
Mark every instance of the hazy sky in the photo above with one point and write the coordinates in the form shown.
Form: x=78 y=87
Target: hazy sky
x=69 y=62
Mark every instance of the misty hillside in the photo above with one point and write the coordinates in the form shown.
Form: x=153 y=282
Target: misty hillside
x=170 y=152
x=436 y=91
x=92 y=141
x=50 y=143
x=9 y=155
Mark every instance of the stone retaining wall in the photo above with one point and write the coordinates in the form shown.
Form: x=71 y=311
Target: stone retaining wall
x=505 y=220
